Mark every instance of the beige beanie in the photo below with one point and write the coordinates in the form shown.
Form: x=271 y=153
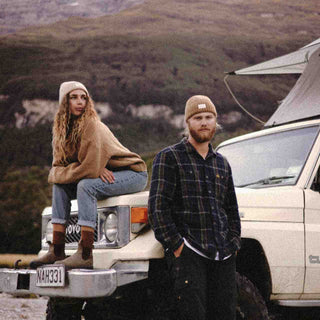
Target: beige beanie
x=197 y=104
x=69 y=86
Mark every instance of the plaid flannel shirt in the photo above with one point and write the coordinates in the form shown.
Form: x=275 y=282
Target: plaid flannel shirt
x=194 y=198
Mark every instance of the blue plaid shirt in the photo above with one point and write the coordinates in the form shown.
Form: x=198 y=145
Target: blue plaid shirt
x=194 y=198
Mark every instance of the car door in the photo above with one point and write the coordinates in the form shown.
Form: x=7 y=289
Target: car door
x=312 y=235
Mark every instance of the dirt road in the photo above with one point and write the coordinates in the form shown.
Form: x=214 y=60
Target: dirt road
x=17 y=308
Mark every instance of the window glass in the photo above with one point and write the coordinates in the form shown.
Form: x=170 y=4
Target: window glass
x=274 y=159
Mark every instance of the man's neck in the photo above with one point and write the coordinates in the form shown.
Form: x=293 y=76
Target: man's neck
x=202 y=148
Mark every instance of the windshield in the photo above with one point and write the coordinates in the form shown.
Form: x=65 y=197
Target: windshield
x=274 y=159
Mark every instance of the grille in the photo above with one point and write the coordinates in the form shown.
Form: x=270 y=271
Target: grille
x=73 y=231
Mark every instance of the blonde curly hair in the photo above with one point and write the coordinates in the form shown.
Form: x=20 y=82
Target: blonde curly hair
x=67 y=130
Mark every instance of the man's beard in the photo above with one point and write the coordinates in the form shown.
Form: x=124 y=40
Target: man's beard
x=204 y=136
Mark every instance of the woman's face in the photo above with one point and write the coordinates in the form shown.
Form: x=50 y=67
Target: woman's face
x=77 y=102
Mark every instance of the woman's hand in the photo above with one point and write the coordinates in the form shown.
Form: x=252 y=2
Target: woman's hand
x=107 y=176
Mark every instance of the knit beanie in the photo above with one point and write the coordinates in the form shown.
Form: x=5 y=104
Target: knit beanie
x=69 y=86
x=198 y=104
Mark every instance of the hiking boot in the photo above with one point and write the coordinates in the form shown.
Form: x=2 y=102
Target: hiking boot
x=82 y=259
x=50 y=257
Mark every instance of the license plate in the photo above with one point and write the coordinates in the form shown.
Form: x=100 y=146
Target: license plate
x=51 y=275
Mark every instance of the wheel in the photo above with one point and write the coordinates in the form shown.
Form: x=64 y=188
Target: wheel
x=64 y=309
x=251 y=305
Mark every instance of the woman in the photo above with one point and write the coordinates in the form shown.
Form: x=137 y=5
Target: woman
x=89 y=164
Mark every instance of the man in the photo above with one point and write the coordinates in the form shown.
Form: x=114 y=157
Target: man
x=194 y=214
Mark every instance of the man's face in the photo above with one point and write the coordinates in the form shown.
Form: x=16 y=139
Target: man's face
x=202 y=126
x=77 y=102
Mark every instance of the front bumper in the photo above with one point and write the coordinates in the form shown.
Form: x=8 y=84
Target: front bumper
x=80 y=283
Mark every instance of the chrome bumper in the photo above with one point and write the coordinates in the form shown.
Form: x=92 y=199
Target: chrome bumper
x=80 y=283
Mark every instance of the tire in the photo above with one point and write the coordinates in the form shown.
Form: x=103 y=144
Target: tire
x=64 y=309
x=251 y=305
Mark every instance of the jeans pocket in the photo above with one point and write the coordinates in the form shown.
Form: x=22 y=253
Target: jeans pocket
x=181 y=272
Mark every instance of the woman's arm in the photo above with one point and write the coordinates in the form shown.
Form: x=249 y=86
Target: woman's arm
x=92 y=159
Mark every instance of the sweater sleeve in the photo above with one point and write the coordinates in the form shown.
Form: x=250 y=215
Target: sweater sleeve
x=91 y=160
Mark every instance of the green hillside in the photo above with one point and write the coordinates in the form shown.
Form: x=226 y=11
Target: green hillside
x=159 y=52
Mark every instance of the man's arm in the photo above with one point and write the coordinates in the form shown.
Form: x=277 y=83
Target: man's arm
x=161 y=199
x=231 y=207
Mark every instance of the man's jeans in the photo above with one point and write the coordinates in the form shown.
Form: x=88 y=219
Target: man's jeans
x=88 y=191
x=203 y=289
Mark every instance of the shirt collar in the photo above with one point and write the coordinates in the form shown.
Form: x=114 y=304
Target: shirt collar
x=191 y=149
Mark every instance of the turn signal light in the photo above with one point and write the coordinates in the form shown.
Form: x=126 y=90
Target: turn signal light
x=139 y=215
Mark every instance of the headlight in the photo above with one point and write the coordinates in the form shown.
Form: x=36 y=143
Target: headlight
x=49 y=231
x=111 y=227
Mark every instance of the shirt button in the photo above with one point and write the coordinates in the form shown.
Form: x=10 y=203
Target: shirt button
x=207 y=177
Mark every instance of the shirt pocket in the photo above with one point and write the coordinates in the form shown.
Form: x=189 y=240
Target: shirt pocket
x=220 y=185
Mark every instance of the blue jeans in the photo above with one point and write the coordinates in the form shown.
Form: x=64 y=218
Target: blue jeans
x=88 y=191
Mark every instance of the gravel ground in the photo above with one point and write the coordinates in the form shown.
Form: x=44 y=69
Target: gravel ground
x=17 y=308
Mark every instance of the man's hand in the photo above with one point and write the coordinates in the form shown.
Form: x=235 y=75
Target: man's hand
x=107 y=176
x=178 y=251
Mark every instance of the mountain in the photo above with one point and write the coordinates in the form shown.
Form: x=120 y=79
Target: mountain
x=17 y=14
x=253 y=19
x=152 y=56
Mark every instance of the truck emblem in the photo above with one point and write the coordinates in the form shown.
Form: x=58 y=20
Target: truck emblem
x=314 y=259
x=73 y=228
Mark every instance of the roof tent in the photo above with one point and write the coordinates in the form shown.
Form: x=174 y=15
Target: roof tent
x=294 y=62
x=303 y=101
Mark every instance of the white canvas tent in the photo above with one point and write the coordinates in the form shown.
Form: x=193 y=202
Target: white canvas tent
x=294 y=62
x=303 y=101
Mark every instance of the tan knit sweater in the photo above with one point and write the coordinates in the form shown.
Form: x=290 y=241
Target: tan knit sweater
x=98 y=149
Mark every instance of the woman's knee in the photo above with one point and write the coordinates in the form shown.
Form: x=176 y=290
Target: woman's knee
x=86 y=186
x=83 y=185
x=58 y=192
x=56 y=187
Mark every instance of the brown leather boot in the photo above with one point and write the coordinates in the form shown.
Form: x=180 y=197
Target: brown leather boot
x=56 y=251
x=82 y=259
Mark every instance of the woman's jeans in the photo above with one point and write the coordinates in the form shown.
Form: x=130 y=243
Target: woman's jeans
x=88 y=191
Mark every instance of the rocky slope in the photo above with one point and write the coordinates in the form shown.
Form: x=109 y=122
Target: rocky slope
x=16 y=14
x=40 y=111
